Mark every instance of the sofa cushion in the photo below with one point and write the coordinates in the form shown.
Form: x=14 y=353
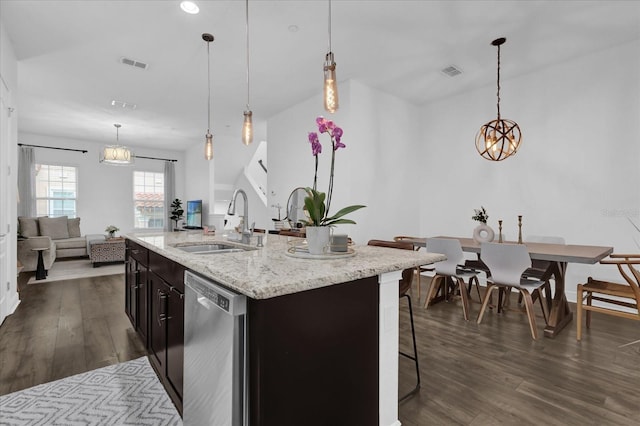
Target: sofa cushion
x=74 y=227
x=28 y=226
x=70 y=243
x=54 y=227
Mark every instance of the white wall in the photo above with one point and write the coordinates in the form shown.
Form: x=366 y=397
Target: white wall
x=576 y=174
x=105 y=192
x=378 y=168
x=9 y=76
x=203 y=179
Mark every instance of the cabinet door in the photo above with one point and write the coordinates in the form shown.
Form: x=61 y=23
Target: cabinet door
x=158 y=295
x=143 y=304
x=131 y=299
x=175 y=340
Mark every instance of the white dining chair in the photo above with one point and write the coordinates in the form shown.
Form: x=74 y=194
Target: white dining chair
x=507 y=263
x=452 y=268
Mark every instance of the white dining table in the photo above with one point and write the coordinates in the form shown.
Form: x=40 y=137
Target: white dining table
x=557 y=257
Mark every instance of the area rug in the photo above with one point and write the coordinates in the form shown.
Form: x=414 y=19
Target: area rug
x=128 y=393
x=77 y=268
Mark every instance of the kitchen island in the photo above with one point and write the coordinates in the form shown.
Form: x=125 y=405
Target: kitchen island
x=322 y=335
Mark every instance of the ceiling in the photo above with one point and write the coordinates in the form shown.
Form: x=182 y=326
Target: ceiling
x=69 y=55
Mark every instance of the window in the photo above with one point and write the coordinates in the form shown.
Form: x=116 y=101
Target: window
x=148 y=200
x=56 y=190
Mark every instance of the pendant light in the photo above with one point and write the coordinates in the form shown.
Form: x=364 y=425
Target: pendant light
x=247 y=127
x=500 y=138
x=117 y=154
x=330 y=83
x=208 y=145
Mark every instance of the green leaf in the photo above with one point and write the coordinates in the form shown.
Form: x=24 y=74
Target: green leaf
x=345 y=211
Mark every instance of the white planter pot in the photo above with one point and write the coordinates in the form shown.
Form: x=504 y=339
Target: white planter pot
x=318 y=239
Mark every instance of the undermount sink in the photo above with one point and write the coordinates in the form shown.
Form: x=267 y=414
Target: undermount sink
x=212 y=248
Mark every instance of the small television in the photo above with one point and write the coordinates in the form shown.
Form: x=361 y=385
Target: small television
x=194 y=214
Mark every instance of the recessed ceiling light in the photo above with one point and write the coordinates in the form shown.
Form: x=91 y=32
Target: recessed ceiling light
x=189 y=7
x=293 y=28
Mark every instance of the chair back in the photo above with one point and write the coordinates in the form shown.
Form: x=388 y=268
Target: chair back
x=506 y=262
x=449 y=247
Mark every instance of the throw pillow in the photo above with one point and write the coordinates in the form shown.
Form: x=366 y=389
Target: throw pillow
x=28 y=226
x=55 y=228
x=74 y=227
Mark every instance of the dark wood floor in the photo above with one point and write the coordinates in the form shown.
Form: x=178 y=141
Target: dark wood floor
x=489 y=374
x=495 y=374
x=63 y=328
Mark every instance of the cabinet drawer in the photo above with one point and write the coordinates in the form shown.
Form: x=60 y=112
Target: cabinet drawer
x=168 y=270
x=139 y=253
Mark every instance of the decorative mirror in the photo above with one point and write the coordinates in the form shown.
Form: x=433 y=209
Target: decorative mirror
x=295 y=208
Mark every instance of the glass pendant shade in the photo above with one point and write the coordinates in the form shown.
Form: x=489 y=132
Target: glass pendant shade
x=117 y=154
x=208 y=146
x=330 y=85
x=247 y=128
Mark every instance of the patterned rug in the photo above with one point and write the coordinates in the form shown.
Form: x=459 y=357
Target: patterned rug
x=128 y=393
x=77 y=268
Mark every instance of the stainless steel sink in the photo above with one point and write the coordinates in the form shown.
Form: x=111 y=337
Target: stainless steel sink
x=212 y=248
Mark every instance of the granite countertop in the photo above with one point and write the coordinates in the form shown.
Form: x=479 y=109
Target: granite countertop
x=268 y=272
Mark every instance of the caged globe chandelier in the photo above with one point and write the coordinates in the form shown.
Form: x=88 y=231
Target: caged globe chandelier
x=500 y=138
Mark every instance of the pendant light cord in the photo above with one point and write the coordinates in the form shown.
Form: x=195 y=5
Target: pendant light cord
x=209 y=89
x=247 y=32
x=498 y=82
x=329 y=28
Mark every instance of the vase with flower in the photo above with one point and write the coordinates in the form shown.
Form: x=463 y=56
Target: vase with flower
x=318 y=204
x=483 y=232
x=111 y=231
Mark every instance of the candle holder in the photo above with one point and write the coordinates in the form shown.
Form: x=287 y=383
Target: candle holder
x=519 y=229
x=500 y=231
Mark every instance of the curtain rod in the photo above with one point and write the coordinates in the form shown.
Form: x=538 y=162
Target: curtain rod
x=154 y=158
x=84 y=151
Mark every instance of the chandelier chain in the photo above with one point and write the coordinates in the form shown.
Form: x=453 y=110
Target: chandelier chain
x=498 y=83
x=208 y=89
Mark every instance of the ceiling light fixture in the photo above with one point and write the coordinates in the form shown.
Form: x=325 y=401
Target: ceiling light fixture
x=208 y=145
x=117 y=154
x=247 y=127
x=500 y=138
x=330 y=83
x=189 y=7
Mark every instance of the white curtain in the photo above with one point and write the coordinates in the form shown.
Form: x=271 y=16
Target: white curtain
x=169 y=193
x=26 y=182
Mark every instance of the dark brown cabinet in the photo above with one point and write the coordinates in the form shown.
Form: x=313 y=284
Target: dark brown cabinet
x=136 y=294
x=166 y=323
x=154 y=303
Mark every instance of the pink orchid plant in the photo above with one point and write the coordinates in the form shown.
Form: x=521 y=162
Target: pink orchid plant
x=315 y=201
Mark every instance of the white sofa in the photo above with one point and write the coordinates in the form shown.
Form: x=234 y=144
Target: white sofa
x=60 y=236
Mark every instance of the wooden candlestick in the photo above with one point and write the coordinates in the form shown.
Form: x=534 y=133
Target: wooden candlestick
x=500 y=231
x=520 y=229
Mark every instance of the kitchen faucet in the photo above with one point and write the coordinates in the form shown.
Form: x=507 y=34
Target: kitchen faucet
x=246 y=233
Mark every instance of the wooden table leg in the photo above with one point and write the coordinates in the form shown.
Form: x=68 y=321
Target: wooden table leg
x=560 y=315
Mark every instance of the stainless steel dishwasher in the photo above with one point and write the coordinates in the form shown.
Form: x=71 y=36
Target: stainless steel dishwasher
x=215 y=365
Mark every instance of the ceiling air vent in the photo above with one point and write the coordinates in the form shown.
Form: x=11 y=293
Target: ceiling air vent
x=121 y=104
x=134 y=63
x=451 y=71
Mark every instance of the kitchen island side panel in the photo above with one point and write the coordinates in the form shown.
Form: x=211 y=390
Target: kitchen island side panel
x=314 y=356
